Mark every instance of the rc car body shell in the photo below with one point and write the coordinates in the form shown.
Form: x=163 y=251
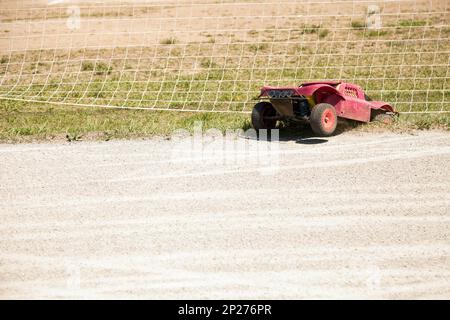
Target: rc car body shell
x=348 y=99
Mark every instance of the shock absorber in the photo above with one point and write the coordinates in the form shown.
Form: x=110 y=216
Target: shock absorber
x=301 y=108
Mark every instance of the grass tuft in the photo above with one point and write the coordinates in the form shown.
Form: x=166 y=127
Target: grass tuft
x=208 y=64
x=99 y=67
x=258 y=47
x=412 y=23
x=102 y=68
x=87 y=66
x=311 y=29
x=323 y=33
x=357 y=24
x=377 y=33
x=168 y=41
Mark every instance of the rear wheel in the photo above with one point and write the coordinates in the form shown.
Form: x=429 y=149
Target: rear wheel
x=323 y=119
x=263 y=115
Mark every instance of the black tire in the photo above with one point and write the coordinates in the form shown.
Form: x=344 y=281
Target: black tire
x=323 y=119
x=260 y=111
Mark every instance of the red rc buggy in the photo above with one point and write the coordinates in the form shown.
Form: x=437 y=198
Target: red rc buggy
x=320 y=104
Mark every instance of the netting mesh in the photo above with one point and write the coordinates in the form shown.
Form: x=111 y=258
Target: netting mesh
x=213 y=55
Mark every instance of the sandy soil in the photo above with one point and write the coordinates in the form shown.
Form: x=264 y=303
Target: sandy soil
x=354 y=216
x=37 y=26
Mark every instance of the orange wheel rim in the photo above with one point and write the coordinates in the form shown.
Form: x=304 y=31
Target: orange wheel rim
x=328 y=119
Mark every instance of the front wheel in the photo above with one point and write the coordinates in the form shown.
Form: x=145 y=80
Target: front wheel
x=323 y=119
x=384 y=118
x=263 y=116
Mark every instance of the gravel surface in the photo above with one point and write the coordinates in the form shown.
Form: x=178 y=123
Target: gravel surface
x=358 y=215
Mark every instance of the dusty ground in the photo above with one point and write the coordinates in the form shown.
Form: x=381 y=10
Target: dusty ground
x=356 y=216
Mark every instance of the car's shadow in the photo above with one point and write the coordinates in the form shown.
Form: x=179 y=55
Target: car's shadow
x=303 y=134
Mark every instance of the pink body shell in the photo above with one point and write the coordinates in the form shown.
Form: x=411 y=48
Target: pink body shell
x=348 y=99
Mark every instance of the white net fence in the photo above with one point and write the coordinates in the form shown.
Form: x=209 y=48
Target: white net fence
x=214 y=55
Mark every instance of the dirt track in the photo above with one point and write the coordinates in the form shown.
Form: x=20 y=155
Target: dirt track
x=357 y=216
